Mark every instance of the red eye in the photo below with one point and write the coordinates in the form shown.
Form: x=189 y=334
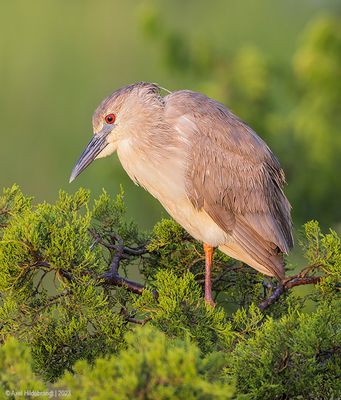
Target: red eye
x=110 y=118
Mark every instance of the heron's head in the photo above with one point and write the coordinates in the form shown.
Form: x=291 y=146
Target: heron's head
x=124 y=112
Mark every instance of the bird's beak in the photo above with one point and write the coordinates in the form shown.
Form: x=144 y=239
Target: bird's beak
x=94 y=147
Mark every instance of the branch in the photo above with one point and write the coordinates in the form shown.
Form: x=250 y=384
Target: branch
x=302 y=281
x=325 y=355
x=126 y=250
x=111 y=278
x=114 y=279
x=295 y=280
x=115 y=262
x=51 y=301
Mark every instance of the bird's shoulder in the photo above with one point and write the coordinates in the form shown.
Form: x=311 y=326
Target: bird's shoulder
x=209 y=121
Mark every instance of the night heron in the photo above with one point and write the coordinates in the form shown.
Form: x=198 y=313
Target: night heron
x=209 y=170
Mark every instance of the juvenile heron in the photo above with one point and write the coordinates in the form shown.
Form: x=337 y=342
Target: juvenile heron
x=209 y=170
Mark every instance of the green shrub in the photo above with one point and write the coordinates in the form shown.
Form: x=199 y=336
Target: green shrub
x=69 y=309
x=151 y=367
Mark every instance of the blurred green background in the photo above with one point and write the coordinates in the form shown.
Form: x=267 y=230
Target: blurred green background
x=274 y=63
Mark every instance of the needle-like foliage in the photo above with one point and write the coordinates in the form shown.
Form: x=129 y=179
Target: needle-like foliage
x=76 y=278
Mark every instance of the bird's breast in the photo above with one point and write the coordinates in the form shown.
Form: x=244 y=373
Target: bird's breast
x=159 y=170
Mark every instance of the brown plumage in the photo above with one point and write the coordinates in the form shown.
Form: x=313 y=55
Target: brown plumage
x=211 y=171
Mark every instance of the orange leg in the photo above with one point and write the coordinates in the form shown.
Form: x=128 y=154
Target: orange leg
x=208 y=266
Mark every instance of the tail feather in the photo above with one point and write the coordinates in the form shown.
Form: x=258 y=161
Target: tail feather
x=256 y=252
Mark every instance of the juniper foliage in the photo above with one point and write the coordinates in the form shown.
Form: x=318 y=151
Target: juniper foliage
x=70 y=305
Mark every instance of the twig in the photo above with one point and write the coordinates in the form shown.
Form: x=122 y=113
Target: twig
x=51 y=301
x=138 y=321
x=65 y=274
x=191 y=265
x=131 y=251
x=295 y=280
x=36 y=291
x=138 y=251
x=131 y=317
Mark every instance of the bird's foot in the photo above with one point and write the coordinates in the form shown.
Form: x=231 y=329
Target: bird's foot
x=209 y=300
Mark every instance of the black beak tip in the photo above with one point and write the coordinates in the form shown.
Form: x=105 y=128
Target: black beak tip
x=73 y=175
x=94 y=147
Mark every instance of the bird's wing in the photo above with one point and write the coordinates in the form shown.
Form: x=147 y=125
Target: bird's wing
x=233 y=176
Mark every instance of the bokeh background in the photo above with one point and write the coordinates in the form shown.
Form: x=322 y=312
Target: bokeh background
x=277 y=64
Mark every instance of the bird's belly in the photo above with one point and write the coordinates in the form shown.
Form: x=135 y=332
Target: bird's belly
x=166 y=182
x=196 y=222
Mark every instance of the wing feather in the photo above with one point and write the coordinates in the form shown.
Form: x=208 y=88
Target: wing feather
x=233 y=175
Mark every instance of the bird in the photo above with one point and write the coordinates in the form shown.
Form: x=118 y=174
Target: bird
x=210 y=171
